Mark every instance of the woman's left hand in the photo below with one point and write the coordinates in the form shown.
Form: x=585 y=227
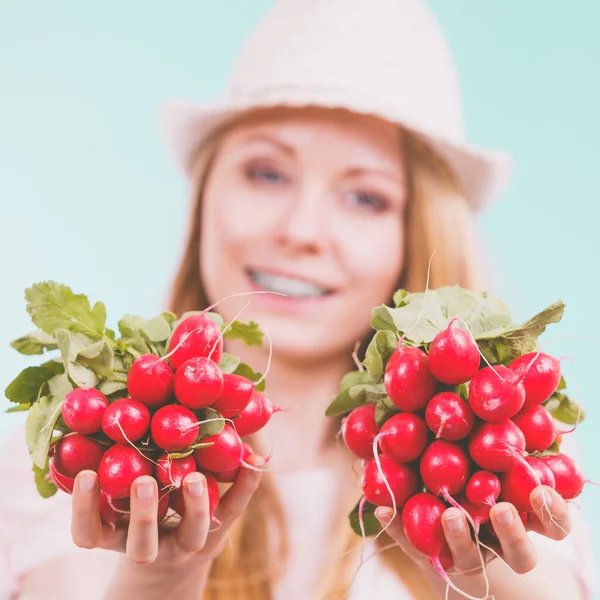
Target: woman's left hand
x=516 y=548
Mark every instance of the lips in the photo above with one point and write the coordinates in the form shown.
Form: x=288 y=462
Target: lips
x=290 y=285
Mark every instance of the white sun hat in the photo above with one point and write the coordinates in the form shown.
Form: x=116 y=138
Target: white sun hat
x=387 y=58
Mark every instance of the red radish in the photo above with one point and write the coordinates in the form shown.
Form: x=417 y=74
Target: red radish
x=519 y=482
x=444 y=468
x=483 y=488
x=453 y=356
x=150 y=380
x=177 y=502
x=540 y=378
x=408 y=380
x=61 y=481
x=479 y=513
x=496 y=393
x=568 y=477
x=174 y=428
x=359 y=430
x=75 y=452
x=236 y=393
x=82 y=410
x=422 y=521
x=108 y=514
x=170 y=472
x=537 y=426
x=120 y=466
x=496 y=446
x=449 y=416
x=225 y=453
x=231 y=476
x=256 y=415
x=198 y=382
x=403 y=437
x=402 y=480
x=126 y=421
x=196 y=335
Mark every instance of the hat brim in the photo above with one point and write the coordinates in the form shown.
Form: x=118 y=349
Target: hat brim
x=483 y=173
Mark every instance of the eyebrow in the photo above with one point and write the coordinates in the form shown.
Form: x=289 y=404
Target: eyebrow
x=351 y=171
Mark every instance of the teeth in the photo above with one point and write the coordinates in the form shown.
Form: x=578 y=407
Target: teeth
x=287 y=285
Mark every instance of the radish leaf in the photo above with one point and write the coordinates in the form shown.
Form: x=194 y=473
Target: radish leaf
x=39 y=427
x=36 y=342
x=27 y=386
x=381 y=347
x=43 y=483
x=370 y=523
x=249 y=333
x=54 y=306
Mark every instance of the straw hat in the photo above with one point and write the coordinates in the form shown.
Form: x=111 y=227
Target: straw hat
x=383 y=57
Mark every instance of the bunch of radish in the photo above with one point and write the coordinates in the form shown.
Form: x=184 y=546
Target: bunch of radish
x=436 y=424
x=182 y=405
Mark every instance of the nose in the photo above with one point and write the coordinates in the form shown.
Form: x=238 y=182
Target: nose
x=303 y=224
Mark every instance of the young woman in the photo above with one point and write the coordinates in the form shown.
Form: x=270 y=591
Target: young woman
x=332 y=184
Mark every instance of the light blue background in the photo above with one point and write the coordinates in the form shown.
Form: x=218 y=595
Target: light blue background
x=90 y=198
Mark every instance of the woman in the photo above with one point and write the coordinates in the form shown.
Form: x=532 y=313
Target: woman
x=330 y=172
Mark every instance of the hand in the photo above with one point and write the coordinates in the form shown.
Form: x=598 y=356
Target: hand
x=141 y=540
x=515 y=548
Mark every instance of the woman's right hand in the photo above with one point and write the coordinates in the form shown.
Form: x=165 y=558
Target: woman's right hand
x=142 y=541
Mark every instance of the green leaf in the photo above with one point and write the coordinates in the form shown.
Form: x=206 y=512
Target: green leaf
x=157 y=329
x=43 y=483
x=229 y=363
x=246 y=371
x=249 y=333
x=368 y=393
x=216 y=317
x=553 y=449
x=59 y=385
x=39 y=427
x=36 y=342
x=211 y=422
x=55 y=306
x=504 y=344
x=70 y=345
x=370 y=523
x=562 y=384
x=381 y=347
x=421 y=316
x=99 y=357
x=352 y=397
x=27 y=385
x=18 y=408
x=384 y=409
x=110 y=386
x=353 y=378
x=169 y=317
x=565 y=410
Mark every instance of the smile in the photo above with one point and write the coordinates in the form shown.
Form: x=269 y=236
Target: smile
x=290 y=286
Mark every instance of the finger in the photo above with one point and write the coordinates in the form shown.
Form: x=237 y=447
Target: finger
x=465 y=555
x=86 y=526
x=236 y=499
x=193 y=529
x=394 y=528
x=142 y=534
x=517 y=549
x=552 y=512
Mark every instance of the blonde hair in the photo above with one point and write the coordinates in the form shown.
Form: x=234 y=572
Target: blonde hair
x=438 y=220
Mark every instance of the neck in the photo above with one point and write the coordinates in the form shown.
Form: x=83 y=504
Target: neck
x=300 y=436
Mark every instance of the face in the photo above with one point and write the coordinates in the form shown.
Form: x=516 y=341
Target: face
x=307 y=205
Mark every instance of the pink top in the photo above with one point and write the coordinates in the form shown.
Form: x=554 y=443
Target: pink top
x=38 y=559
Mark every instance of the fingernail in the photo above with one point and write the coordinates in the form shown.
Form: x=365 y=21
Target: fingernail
x=258 y=461
x=541 y=497
x=87 y=481
x=194 y=483
x=455 y=523
x=505 y=516
x=384 y=514
x=144 y=491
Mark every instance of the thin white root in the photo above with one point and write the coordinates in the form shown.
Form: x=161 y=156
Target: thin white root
x=226 y=328
x=264 y=375
x=133 y=445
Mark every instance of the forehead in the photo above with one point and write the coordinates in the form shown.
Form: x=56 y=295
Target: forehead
x=314 y=127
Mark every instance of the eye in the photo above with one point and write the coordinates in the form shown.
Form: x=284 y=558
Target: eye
x=369 y=201
x=266 y=174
